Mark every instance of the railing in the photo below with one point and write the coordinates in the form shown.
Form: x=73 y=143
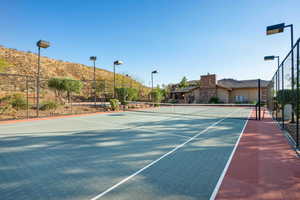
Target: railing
x=283 y=94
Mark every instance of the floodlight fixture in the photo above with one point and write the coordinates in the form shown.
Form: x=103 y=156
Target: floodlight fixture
x=278 y=28
x=118 y=62
x=266 y=58
x=93 y=58
x=43 y=44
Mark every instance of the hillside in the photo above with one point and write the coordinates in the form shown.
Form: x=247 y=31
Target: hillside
x=13 y=61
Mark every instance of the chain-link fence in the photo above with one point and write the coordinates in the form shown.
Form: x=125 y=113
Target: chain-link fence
x=283 y=94
x=57 y=96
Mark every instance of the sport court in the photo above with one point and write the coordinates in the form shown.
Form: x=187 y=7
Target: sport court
x=163 y=153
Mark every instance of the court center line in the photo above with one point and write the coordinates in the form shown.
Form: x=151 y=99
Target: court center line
x=160 y=158
x=218 y=185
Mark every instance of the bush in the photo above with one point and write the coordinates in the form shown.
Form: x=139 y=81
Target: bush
x=17 y=101
x=49 y=105
x=3 y=65
x=172 y=101
x=133 y=94
x=286 y=96
x=122 y=94
x=214 y=100
x=115 y=104
x=7 y=109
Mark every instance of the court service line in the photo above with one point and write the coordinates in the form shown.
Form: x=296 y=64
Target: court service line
x=218 y=185
x=160 y=158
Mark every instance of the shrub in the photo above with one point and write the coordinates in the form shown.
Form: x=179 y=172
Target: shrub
x=115 y=104
x=133 y=94
x=172 y=101
x=214 y=100
x=49 y=105
x=3 y=65
x=122 y=94
x=17 y=101
x=286 y=96
x=7 y=109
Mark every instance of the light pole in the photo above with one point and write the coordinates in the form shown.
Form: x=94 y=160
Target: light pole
x=117 y=62
x=153 y=72
x=94 y=58
x=40 y=44
x=279 y=28
x=267 y=58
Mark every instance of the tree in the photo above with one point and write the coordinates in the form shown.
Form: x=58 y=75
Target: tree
x=56 y=85
x=72 y=86
x=127 y=94
x=166 y=90
x=61 y=85
x=157 y=95
x=132 y=94
x=183 y=83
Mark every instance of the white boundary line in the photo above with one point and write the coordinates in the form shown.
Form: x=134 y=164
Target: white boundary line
x=158 y=159
x=217 y=187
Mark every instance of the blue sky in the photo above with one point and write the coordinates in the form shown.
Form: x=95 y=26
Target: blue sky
x=176 y=37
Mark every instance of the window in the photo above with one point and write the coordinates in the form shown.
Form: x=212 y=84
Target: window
x=240 y=99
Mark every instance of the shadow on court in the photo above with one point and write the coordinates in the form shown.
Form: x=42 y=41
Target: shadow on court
x=80 y=165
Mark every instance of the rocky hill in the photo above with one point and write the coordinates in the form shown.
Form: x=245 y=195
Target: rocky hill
x=13 y=61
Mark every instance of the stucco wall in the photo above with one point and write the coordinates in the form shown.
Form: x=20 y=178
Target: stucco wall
x=223 y=95
x=250 y=94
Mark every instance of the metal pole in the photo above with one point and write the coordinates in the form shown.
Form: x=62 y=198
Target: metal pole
x=38 y=84
x=297 y=98
x=259 y=103
x=277 y=86
x=151 y=96
x=256 y=111
x=282 y=95
x=27 y=98
x=71 y=103
x=94 y=83
x=293 y=77
x=114 y=81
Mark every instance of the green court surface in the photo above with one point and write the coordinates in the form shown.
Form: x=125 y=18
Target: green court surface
x=125 y=155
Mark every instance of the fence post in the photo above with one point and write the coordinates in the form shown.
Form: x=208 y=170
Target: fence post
x=256 y=111
x=297 y=98
x=259 y=100
x=282 y=106
x=277 y=89
x=27 y=98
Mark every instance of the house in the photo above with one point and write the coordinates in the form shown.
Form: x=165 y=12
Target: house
x=226 y=90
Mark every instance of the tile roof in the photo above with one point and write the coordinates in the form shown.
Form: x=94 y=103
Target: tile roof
x=232 y=83
x=186 y=89
x=225 y=83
